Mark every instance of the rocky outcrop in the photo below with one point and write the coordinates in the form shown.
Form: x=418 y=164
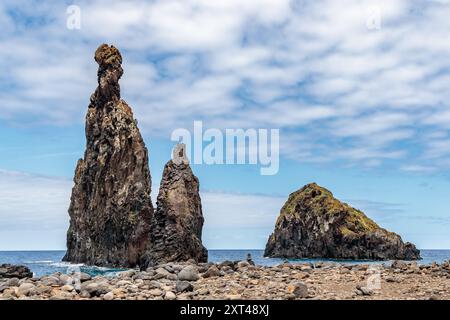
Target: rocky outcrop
x=15 y=271
x=110 y=210
x=176 y=230
x=313 y=224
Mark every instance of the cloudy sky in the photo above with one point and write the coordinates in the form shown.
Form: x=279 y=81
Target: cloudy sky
x=360 y=91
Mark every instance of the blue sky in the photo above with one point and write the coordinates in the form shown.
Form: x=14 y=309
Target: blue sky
x=362 y=110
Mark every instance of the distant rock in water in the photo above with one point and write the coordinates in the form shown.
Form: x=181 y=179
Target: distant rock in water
x=110 y=210
x=313 y=224
x=15 y=271
x=176 y=231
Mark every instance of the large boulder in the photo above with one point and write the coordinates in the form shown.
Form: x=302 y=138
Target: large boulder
x=110 y=210
x=15 y=271
x=176 y=231
x=313 y=224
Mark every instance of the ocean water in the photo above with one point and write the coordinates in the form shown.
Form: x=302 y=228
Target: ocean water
x=48 y=262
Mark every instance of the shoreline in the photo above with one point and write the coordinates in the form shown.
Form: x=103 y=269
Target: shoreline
x=240 y=280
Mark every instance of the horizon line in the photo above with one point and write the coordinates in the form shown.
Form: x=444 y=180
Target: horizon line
x=213 y=249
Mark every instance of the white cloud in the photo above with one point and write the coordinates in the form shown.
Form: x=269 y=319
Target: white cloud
x=32 y=200
x=312 y=69
x=33 y=211
x=229 y=210
x=418 y=168
x=369 y=125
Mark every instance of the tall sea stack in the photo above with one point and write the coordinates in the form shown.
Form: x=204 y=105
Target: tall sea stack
x=313 y=224
x=176 y=231
x=110 y=210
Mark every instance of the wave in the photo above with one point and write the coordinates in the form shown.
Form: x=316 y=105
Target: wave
x=39 y=262
x=63 y=264
x=92 y=270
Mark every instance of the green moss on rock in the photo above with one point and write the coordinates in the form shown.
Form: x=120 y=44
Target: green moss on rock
x=313 y=223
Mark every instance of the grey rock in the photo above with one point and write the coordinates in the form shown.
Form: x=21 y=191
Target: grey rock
x=399 y=265
x=314 y=224
x=242 y=264
x=184 y=286
x=3 y=287
x=306 y=269
x=67 y=287
x=15 y=271
x=126 y=274
x=391 y=279
x=10 y=282
x=27 y=289
x=95 y=288
x=188 y=273
x=364 y=290
x=161 y=273
x=110 y=209
x=228 y=264
x=62 y=295
x=155 y=292
x=65 y=279
x=82 y=276
x=144 y=276
x=213 y=271
x=169 y=268
x=108 y=296
x=176 y=228
x=298 y=289
x=170 y=296
x=172 y=277
x=155 y=284
x=50 y=280
x=203 y=292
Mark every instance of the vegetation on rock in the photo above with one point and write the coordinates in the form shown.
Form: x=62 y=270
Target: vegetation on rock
x=314 y=224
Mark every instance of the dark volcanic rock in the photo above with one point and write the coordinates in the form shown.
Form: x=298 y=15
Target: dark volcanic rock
x=313 y=224
x=14 y=271
x=110 y=210
x=176 y=230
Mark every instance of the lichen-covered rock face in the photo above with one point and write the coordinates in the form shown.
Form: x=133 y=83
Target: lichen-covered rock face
x=313 y=224
x=176 y=230
x=110 y=210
